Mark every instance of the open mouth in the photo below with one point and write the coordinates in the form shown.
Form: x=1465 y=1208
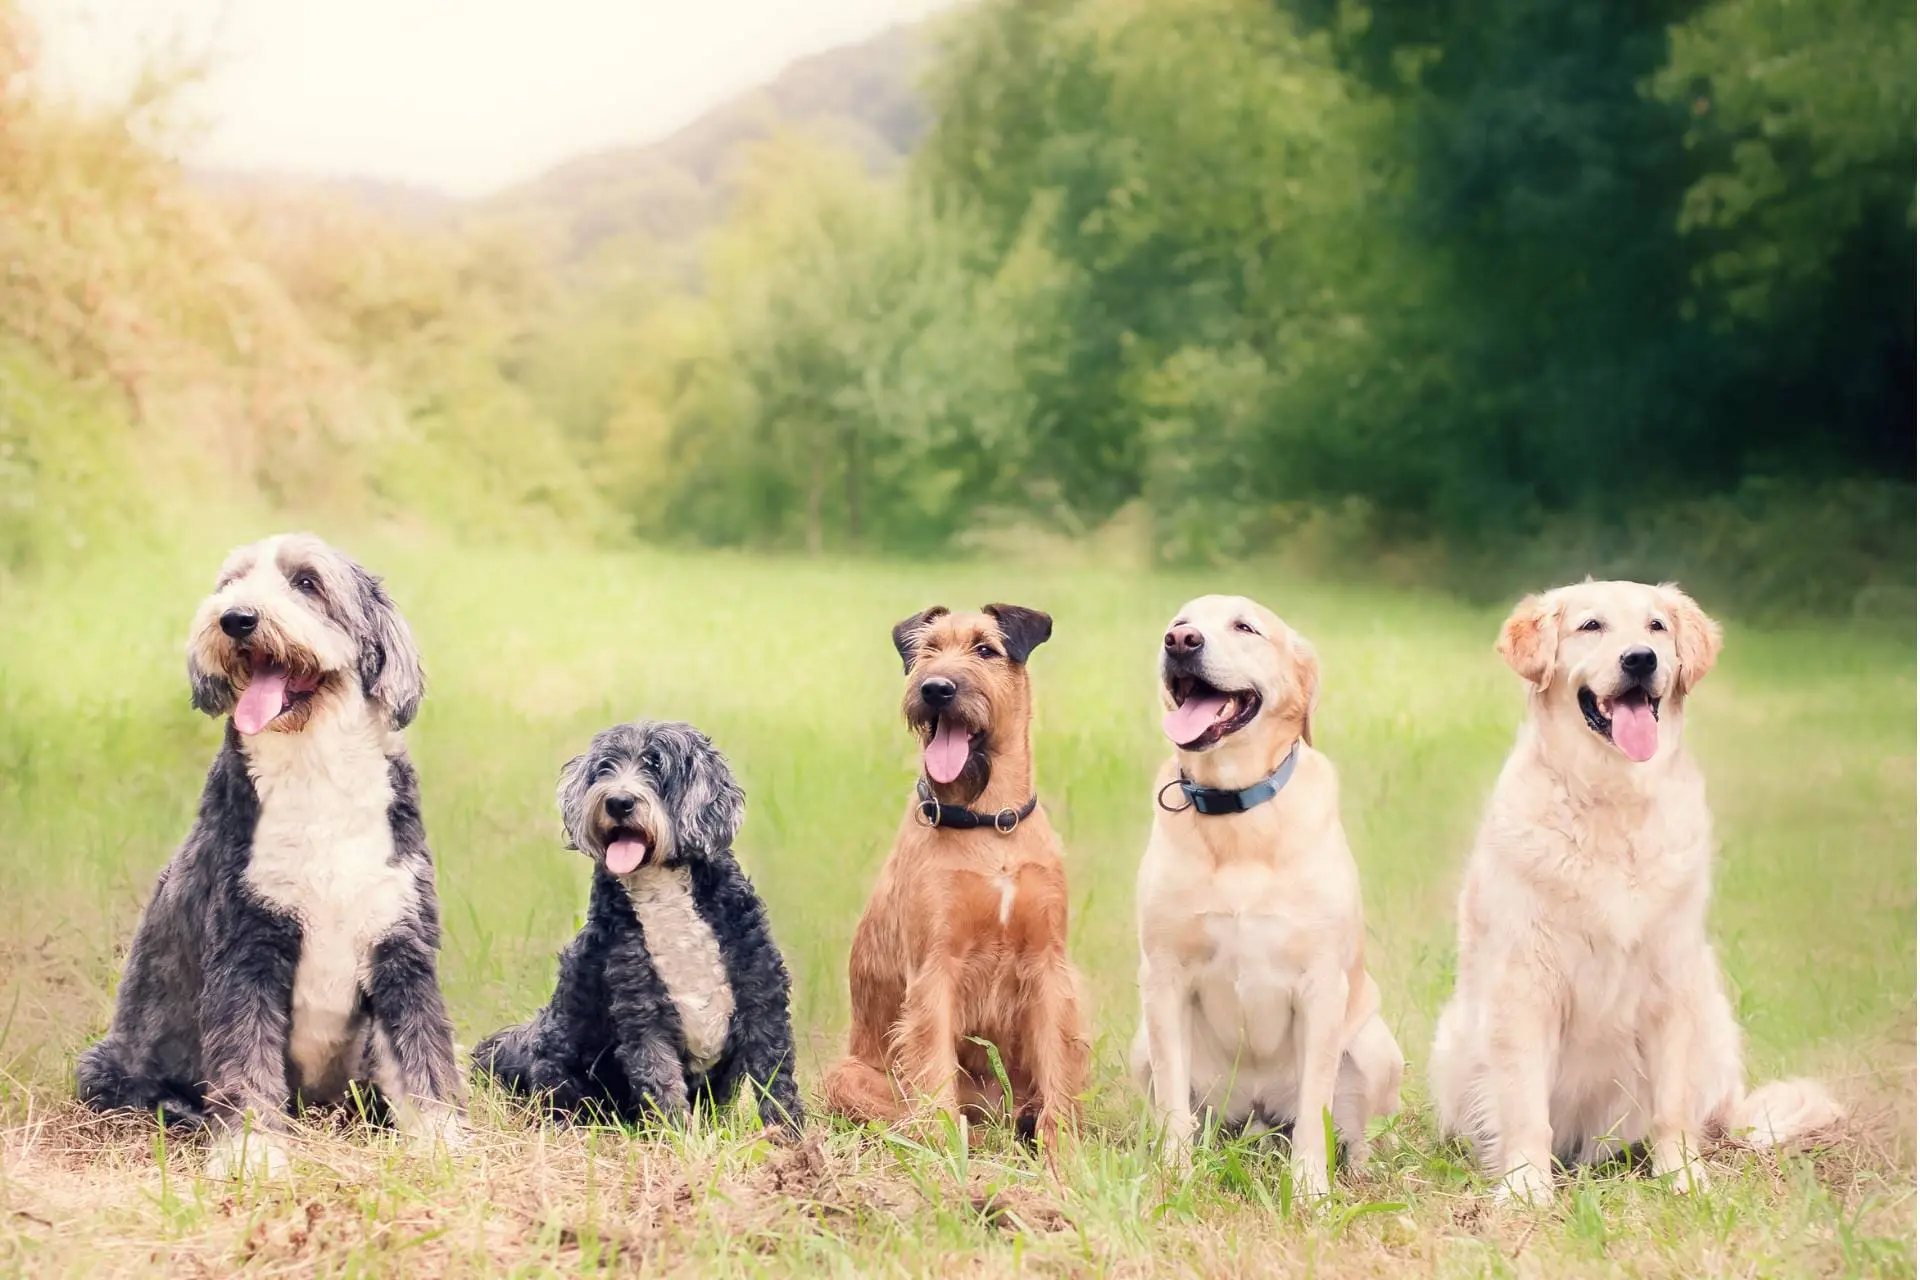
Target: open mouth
x=627 y=848
x=274 y=696
x=1630 y=720
x=948 y=747
x=1202 y=715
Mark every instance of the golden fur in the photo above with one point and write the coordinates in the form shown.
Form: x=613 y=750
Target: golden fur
x=965 y=935
x=1589 y=1013
x=1255 y=997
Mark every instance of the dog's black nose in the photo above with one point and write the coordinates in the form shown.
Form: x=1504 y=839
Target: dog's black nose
x=1639 y=661
x=1185 y=638
x=620 y=808
x=239 y=623
x=938 y=691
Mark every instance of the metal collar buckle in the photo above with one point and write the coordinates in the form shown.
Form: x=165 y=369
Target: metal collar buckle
x=1217 y=801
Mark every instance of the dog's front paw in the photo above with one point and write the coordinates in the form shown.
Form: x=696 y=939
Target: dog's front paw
x=1046 y=1127
x=1681 y=1167
x=1310 y=1179
x=1528 y=1184
x=1175 y=1140
x=243 y=1154
x=434 y=1129
x=939 y=1124
x=1690 y=1178
x=781 y=1133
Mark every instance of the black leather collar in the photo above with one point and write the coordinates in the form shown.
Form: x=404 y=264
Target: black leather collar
x=960 y=818
x=1213 y=801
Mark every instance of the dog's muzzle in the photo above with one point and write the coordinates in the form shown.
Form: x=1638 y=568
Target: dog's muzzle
x=625 y=830
x=1629 y=717
x=1203 y=712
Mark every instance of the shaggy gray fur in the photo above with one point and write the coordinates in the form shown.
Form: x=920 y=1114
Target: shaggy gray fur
x=201 y=1024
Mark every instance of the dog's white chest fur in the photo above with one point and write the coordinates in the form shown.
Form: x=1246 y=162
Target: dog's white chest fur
x=1245 y=987
x=323 y=853
x=687 y=957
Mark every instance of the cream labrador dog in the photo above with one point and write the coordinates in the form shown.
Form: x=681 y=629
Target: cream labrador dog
x=1589 y=1014
x=1255 y=1001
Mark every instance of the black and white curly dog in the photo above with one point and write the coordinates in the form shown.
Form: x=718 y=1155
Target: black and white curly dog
x=289 y=952
x=673 y=995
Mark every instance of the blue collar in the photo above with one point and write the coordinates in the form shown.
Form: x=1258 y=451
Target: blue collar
x=1215 y=800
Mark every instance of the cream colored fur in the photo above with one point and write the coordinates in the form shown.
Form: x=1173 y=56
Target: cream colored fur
x=687 y=957
x=1589 y=1012
x=1255 y=998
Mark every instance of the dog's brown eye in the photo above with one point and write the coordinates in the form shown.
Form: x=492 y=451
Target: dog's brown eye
x=1656 y=625
x=986 y=651
x=1592 y=624
x=1247 y=627
x=603 y=771
x=304 y=581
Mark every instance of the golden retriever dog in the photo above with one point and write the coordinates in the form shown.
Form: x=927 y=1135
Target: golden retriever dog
x=965 y=937
x=1589 y=1015
x=1255 y=1000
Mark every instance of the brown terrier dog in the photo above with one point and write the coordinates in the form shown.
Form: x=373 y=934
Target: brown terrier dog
x=965 y=936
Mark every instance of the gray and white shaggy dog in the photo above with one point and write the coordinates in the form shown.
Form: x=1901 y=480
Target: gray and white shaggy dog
x=673 y=995
x=289 y=952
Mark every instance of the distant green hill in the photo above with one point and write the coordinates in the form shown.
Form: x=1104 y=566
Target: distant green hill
x=863 y=97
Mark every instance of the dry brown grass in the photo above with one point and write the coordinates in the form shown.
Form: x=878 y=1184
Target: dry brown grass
x=82 y=1194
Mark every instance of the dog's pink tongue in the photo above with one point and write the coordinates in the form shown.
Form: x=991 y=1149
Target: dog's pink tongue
x=1635 y=731
x=1190 y=719
x=624 y=855
x=946 y=754
x=264 y=698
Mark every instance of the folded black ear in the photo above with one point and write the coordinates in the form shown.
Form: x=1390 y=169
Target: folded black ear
x=906 y=633
x=1024 y=630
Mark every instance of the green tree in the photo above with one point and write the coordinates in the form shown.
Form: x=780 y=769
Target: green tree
x=867 y=391
x=1804 y=218
x=1202 y=174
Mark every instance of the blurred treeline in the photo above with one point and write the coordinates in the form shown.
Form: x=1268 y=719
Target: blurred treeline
x=1479 y=292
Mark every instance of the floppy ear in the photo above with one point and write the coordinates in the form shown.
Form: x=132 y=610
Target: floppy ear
x=1696 y=637
x=389 y=663
x=212 y=692
x=1024 y=630
x=906 y=633
x=1530 y=639
x=713 y=805
x=1306 y=681
x=570 y=793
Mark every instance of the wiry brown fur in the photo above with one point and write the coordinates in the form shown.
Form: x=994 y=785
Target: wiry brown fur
x=965 y=935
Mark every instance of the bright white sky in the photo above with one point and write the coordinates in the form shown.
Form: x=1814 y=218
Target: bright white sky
x=463 y=95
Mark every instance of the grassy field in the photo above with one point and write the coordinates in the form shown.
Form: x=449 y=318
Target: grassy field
x=1807 y=738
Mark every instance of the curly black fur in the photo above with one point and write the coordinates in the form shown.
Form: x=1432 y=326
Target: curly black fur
x=610 y=1044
